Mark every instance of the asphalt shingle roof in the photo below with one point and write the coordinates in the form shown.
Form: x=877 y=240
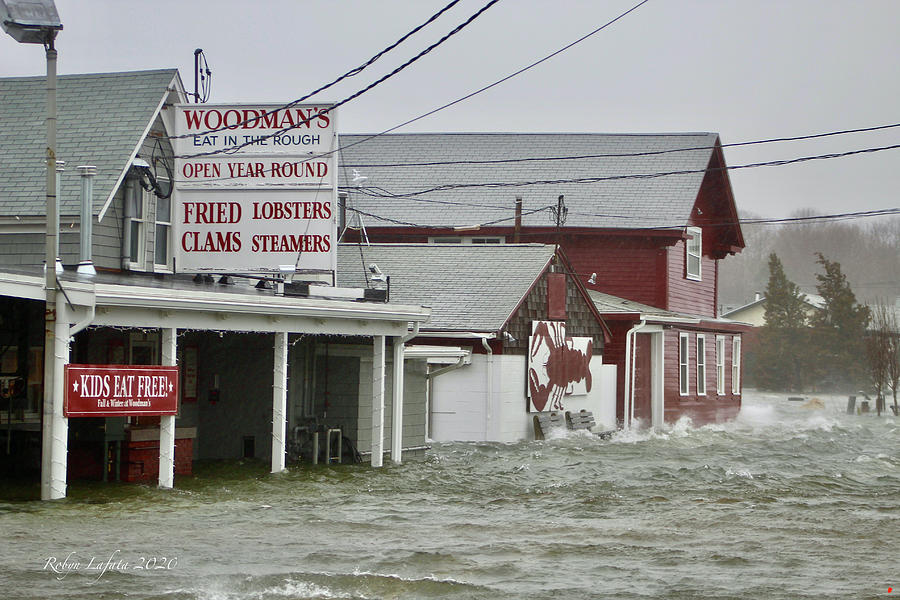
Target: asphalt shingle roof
x=100 y=120
x=625 y=201
x=468 y=287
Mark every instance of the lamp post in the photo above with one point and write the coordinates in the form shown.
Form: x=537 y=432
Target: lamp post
x=37 y=22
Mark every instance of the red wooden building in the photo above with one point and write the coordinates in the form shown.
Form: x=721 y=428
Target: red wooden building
x=644 y=221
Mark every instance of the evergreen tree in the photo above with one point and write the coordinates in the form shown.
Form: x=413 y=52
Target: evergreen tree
x=839 y=331
x=778 y=360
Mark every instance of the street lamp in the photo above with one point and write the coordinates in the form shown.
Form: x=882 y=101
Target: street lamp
x=37 y=22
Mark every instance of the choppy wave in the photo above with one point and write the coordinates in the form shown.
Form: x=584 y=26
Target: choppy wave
x=783 y=502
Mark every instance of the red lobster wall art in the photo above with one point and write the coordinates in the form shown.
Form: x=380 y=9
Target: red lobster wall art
x=558 y=365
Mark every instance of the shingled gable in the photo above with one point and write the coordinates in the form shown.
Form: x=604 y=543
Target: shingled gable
x=102 y=120
x=621 y=181
x=468 y=288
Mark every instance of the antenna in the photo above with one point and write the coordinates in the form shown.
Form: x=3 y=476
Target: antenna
x=202 y=77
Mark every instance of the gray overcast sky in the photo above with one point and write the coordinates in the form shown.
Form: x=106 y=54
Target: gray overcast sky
x=746 y=69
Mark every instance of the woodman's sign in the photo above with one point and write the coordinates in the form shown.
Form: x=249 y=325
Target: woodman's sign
x=255 y=188
x=120 y=391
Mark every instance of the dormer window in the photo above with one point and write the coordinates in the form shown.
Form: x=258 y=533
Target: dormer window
x=694 y=249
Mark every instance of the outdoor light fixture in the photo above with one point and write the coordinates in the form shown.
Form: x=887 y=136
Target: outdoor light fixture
x=592 y=279
x=377 y=275
x=30 y=21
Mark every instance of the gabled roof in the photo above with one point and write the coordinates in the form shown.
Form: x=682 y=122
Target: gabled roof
x=468 y=287
x=101 y=119
x=625 y=197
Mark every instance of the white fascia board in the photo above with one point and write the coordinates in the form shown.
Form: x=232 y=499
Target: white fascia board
x=464 y=335
x=651 y=318
x=445 y=352
x=115 y=187
x=121 y=296
x=22 y=286
x=30 y=287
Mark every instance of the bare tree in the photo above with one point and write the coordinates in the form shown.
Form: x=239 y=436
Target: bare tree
x=883 y=351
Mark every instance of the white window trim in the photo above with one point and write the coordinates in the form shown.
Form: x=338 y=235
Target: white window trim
x=720 y=365
x=684 y=361
x=701 y=364
x=693 y=233
x=160 y=267
x=141 y=263
x=736 y=365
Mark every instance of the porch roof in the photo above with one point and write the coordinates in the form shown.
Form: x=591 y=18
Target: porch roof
x=131 y=300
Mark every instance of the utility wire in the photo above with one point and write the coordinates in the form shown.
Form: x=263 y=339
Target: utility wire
x=355 y=95
x=350 y=73
x=346 y=165
x=504 y=79
x=501 y=184
x=679 y=225
x=500 y=161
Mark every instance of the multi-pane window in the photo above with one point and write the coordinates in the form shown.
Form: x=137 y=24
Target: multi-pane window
x=683 y=386
x=720 y=364
x=136 y=231
x=163 y=229
x=694 y=250
x=736 y=365
x=701 y=365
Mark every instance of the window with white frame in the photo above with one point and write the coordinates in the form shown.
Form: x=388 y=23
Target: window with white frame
x=162 y=255
x=736 y=365
x=683 y=386
x=720 y=364
x=693 y=252
x=135 y=234
x=701 y=364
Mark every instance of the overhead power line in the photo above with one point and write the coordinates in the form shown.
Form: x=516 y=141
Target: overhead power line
x=847 y=216
x=500 y=161
x=355 y=95
x=350 y=73
x=627 y=176
x=503 y=79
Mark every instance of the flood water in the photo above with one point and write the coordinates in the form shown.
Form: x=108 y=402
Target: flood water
x=785 y=502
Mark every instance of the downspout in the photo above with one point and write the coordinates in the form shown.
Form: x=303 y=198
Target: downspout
x=628 y=398
x=489 y=412
x=91 y=312
x=397 y=401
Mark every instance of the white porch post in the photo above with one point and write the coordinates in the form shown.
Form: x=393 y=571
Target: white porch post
x=167 y=422
x=57 y=426
x=397 y=403
x=279 y=402
x=378 y=401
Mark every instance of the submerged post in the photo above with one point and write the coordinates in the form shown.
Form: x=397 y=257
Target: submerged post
x=397 y=404
x=50 y=486
x=167 y=422
x=378 y=401
x=279 y=403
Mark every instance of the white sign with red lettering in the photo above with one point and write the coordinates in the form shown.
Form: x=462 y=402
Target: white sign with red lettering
x=255 y=230
x=255 y=188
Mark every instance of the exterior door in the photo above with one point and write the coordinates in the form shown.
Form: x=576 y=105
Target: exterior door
x=642 y=378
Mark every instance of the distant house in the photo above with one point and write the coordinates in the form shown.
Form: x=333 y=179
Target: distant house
x=644 y=218
x=485 y=302
x=754 y=312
